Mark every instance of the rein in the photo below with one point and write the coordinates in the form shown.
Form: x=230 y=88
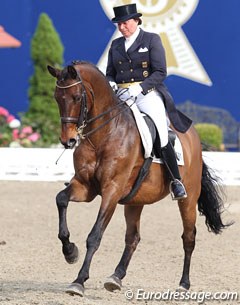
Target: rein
x=83 y=136
x=82 y=120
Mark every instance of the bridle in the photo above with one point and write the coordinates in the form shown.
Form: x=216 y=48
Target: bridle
x=82 y=121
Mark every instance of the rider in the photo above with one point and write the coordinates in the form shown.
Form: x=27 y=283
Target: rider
x=137 y=61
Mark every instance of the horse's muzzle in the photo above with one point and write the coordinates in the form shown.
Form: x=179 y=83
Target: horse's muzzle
x=69 y=144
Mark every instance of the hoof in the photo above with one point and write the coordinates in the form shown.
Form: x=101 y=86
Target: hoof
x=75 y=289
x=73 y=257
x=182 y=288
x=113 y=283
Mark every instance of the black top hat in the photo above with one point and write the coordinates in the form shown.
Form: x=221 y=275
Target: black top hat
x=125 y=12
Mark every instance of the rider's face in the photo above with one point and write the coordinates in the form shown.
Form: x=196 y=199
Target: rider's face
x=127 y=28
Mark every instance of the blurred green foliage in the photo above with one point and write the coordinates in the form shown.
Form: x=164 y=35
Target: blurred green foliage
x=211 y=136
x=43 y=114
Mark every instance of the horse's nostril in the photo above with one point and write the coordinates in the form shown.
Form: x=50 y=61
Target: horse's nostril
x=71 y=143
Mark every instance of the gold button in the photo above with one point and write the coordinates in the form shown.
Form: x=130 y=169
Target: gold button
x=131 y=70
x=145 y=73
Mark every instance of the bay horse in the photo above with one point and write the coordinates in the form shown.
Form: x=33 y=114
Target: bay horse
x=107 y=162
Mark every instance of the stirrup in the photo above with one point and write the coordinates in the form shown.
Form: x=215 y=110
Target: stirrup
x=183 y=193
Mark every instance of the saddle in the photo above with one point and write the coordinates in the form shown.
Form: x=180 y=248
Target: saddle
x=155 y=155
x=155 y=137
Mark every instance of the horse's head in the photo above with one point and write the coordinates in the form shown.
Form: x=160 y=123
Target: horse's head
x=71 y=97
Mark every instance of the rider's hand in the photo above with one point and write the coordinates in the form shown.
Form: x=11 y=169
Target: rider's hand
x=134 y=91
x=114 y=86
x=129 y=94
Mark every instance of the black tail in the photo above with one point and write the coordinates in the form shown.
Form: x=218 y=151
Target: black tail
x=211 y=201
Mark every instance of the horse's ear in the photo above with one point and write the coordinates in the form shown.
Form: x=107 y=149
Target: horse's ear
x=72 y=71
x=53 y=71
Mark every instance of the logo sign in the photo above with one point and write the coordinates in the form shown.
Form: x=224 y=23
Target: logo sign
x=165 y=17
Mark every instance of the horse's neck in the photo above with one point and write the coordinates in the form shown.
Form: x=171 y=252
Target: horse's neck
x=105 y=115
x=105 y=102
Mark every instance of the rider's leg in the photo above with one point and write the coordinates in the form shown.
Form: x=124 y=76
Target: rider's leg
x=177 y=189
x=153 y=105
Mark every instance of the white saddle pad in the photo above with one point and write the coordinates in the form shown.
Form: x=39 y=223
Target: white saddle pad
x=147 y=138
x=178 y=151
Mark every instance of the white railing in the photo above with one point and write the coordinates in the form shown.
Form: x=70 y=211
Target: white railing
x=225 y=164
x=36 y=164
x=39 y=164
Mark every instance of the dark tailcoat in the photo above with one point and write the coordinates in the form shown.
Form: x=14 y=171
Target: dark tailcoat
x=144 y=62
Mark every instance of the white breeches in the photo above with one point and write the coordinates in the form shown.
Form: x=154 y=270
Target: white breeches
x=152 y=104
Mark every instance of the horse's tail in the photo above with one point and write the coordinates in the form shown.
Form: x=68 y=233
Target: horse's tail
x=211 y=201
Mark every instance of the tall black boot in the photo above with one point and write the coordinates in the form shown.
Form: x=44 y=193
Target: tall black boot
x=177 y=189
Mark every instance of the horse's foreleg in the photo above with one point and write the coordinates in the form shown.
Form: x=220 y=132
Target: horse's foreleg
x=188 y=237
x=93 y=241
x=132 y=238
x=69 y=249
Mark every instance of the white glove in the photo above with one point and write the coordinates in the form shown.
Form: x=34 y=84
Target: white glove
x=134 y=91
x=113 y=85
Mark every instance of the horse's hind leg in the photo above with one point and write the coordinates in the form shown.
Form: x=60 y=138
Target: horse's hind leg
x=188 y=213
x=132 y=238
x=69 y=249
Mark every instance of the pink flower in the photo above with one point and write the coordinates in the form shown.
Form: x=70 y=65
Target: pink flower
x=27 y=130
x=4 y=112
x=21 y=135
x=34 y=137
x=10 y=118
x=15 y=134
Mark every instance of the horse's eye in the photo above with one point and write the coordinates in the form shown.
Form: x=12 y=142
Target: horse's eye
x=77 y=98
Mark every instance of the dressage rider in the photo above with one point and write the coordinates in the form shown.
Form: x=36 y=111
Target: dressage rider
x=136 y=61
